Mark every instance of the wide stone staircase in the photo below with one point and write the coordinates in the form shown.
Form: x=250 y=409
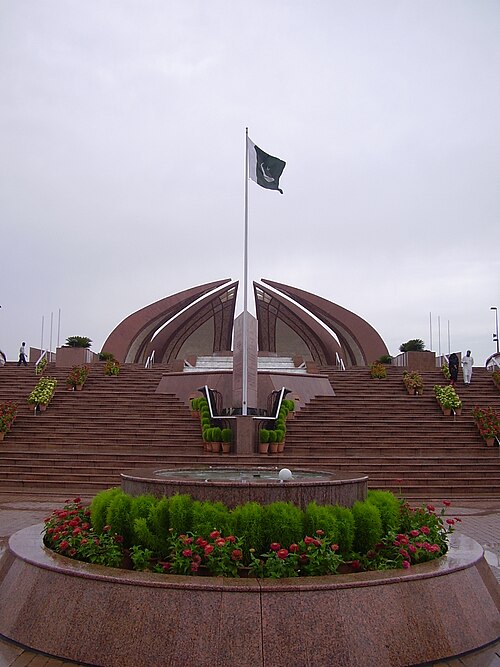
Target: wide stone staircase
x=404 y=443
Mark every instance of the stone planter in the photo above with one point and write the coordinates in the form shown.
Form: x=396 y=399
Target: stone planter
x=70 y=609
x=263 y=447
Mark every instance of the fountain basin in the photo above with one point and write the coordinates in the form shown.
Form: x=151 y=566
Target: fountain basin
x=235 y=486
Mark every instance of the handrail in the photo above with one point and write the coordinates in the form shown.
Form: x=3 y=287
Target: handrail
x=150 y=360
x=340 y=362
x=282 y=393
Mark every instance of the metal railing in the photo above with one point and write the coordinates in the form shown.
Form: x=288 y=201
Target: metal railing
x=150 y=360
x=340 y=362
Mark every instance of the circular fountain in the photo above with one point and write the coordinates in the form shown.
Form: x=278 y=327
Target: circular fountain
x=234 y=486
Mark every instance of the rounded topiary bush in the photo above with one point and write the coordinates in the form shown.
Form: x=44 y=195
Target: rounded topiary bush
x=180 y=511
x=209 y=516
x=99 y=507
x=345 y=528
x=248 y=523
x=388 y=506
x=320 y=517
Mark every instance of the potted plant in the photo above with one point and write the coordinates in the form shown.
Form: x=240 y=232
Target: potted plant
x=413 y=382
x=263 y=440
x=216 y=439
x=378 y=371
x=448 y=399
x=112 y=368
x=77 y=377
x=41 y=366
x=8 y=412
x=488 y=424
x=496 y=378
x=273 y=442
x=43 y=392
x=227 y=436
x=445 y=371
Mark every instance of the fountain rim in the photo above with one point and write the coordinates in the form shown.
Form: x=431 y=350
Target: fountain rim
x=150 y=474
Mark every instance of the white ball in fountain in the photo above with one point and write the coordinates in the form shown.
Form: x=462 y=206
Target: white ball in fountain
x=285 y=474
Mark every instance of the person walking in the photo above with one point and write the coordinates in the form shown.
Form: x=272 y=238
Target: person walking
x=467 y=364
x=453 y=364
x=22 y=355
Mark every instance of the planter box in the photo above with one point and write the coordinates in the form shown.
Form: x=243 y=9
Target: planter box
x=67 y=357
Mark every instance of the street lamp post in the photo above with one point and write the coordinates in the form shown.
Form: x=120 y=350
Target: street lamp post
x=495 y=335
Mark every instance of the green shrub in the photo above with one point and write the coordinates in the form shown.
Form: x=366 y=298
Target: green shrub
x=385 y=359
x=209 y=516
x=413 y=345
x=180 y=512
x=227 y=435
x=216 y=434
x=248 y=523
x=290 y=405
x=106 y=356
x=78 y=341
x=145 y=537
x=345 y=529
x=99 y=507
x=280 y=435
x=320 y=517
x=283 y=523
x=368 y=526
x=388 y=506
x=272 y=436
x=264 y=435
x=120 y=519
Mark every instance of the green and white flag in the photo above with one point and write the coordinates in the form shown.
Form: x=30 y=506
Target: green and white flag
x=264 y=169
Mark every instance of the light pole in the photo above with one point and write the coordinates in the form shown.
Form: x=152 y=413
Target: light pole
x=495 y=335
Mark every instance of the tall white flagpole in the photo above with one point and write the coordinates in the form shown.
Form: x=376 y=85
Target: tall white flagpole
x=245 y=289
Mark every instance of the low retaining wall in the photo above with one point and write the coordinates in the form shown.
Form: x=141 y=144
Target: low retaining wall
x=108 y=617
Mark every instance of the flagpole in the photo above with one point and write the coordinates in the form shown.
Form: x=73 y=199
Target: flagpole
x=245 y=289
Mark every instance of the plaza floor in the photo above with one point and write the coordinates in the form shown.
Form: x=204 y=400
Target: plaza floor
x=479 y=520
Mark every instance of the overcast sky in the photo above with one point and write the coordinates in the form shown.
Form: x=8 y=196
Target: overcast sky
x=122 y=127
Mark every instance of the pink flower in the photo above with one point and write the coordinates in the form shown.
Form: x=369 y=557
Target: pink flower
x=187 y=553
x=406 y=564
x=275 y=546
x=308 y=540
x=214 y=534
x=415 y=533
x=294 y=548
x=334 y=547
x=208 y=549
x=220 y=542
x=194 y=567
x=282 y=553
x=320 y=532
x=412 y=548
x=231 y=539
x=404 y=553
x=201 y=542
x=425 y=530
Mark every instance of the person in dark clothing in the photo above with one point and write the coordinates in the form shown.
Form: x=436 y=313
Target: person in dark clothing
x=453 y=365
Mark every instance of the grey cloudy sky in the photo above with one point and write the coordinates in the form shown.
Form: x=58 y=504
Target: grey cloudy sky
x=122 y=127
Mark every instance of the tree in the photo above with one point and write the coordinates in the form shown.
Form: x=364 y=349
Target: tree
x=78 y=341
x=413 y=345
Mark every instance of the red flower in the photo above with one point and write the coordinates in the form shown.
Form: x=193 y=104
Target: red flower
x=236 y=554
x=77 y=530
x=355 y=564
x=406 y=564
x=431 y=508
x=412 y=548
x=72 y=552
x=425 y=530
x=447 y=503
x=201 y=542
x=106 y=529
x=282 y=553
x=194 y=567
x=308 y=540
x=187 y=553
x=451 y=522
x=231 y=539
x=275 y=546
x=294 y=548
x=334 y=547
x=64 y=545
x=208 y=549
x=77 y=500
x=220 y=542
x=414 y=532
x=118 y=539
x=320 y=532
x=214 y=534
x=404 y=553
x=166 y=566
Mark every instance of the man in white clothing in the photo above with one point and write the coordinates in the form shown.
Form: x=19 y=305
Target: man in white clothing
x=467 y=364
